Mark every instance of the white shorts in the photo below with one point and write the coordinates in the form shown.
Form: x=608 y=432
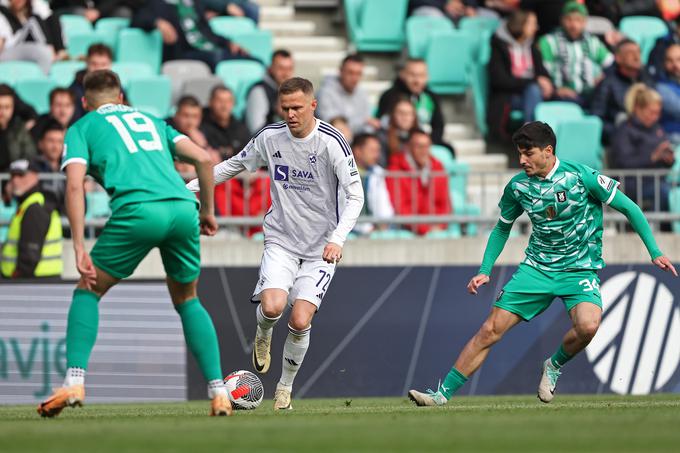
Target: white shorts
x=301 y=279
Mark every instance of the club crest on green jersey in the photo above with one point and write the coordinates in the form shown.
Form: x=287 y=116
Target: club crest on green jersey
x=561 y=196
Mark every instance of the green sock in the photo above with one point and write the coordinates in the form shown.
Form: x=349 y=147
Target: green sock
x=452 y=382
x=560 y=357
x=81 y=330
x=201 y=338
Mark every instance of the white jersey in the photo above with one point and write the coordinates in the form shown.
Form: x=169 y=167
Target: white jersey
x=306 y=175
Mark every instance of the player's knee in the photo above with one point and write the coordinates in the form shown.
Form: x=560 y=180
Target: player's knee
x=299 y=321
x=587 y=330
x=488 y=334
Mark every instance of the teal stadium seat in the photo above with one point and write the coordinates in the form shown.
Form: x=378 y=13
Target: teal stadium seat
x=555 y=112
x=137 y=46
x=129 y=71
x=419 y=29
x=13 y=71
x=391 y=234
x=258 y=43
x=74 y=24
x=579 y=140
x=108 y=29
x=36 y=92
x=64 y=72
x=644 y=30
x=230 y=26
x=151 y=94
x=376 y=25
x=78 y=43
x=446 y=77
x=6 y=213
x=674 y=206
x=239 y=76
x=97 y=205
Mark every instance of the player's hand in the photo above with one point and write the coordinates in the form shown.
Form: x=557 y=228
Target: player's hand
x=193 y=185
x=476 y=282
x=208 y=224
x=332 y=253
x=664 y=263
x=85 y=268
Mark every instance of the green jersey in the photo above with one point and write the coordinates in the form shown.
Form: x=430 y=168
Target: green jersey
x=127 y=152
x=565 y=209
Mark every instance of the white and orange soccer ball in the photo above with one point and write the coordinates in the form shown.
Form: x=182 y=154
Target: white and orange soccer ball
x=245 y=389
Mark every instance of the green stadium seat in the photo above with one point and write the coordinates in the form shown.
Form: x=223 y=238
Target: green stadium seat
x=97 y=205
x=419 y=29
x=13 y=71
x=644 y=30
x=151 y=94
x=391 y=234
x=477 y=23
x=129 y=71
x=674 y=206
x=6 y=213
x=78 y=43
x=74 y=24
x=555 y=112
x=109 y=27
x=230 y=26
x=580 y=141
x=376 y=25
x=64 y=72
x=239 y=76
x=36 y=92
x=445 y=77
x=137 y=46
x=258 y=44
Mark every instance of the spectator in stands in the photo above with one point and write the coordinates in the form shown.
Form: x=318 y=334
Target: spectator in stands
x=412 y=83
x=50 y=149
x=15 y=141
x=342 y=124
x=640 y=142
x=26 y=36
x=95 y=10
x=237 y=8
x=223 y=131
x=609 y=98
x=427 y=192
x=614 y=10
x=574 y=58
x=244 y=197
x=657 y=57
x=99 y=56
x=367 y=150
x=186 y=32
x=401 y=121
x=263 y=105
x=187 y=120
x=669 y=89
x=518 y=80
x=34 y=240
x=548 y=13
x=453 y=9
x=62 y=110
x=341 y=96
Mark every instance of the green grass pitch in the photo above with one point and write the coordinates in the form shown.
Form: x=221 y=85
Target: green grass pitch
x=516 y=423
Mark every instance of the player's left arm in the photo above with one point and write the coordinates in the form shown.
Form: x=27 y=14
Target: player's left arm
x=346 y=171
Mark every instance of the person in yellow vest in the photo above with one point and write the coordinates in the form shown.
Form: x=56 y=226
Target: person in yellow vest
x=34 y=240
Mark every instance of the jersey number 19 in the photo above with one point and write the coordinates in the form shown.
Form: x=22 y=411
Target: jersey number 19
x=139 y=124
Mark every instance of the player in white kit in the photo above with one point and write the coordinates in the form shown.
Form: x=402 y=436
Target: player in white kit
x=304 y=232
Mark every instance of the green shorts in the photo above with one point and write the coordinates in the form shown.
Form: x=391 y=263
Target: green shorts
x=530 y=291
x=136 y=228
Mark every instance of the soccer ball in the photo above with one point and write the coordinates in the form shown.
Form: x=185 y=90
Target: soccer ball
x=245 y=389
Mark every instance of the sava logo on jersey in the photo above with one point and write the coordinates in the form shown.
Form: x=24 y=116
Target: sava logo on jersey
x=285 y=173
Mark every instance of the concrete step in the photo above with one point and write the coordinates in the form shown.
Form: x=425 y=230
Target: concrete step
x=370 y=72
x=459 y=131
x=307 y=43
x=469 y=147
x=376 y=87
x=264 y=3
x=290 y=28
x=276 y=13
x=486 y=162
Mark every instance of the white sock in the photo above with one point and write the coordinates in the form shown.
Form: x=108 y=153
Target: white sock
x=74 y=376
x=294 y=351
x=216 y=387
x=264 y=324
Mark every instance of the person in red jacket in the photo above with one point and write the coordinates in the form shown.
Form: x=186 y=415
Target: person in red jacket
x=426 y=193
x=240 y=197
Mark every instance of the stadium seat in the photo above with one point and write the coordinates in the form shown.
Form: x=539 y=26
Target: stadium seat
x=109 y=27
x=78 y=43
x=674 y=206
x=478 y=23
x=555 y=112
x=258 y=43
x=644 y=30
x=6 y=213
x=452 y=232
x=137 y=46
x=445 y=77
x=376 y=25
x=579 y=140
x=230 y=26
x=392 y=234
x=13 y=71
x=181 y=70
x=97 y=205
x=598 y=25
x=64 y=72
x=151 y=94
x=36 y=92
x=239 y=76
x=200 y=88
x=74 y=24
x=128 y=71
x=419 y=29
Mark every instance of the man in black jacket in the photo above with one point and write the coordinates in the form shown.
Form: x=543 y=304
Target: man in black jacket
x=223 y=132
x=412 y=83
x=186 y=32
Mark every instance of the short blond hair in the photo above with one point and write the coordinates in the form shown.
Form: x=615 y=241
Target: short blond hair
x=640 y=96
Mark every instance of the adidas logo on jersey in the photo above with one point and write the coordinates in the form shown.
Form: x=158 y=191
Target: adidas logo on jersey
x=277 y=154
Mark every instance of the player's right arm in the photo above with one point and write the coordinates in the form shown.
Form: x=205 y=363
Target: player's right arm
x=510 y=210
x=249 y=159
